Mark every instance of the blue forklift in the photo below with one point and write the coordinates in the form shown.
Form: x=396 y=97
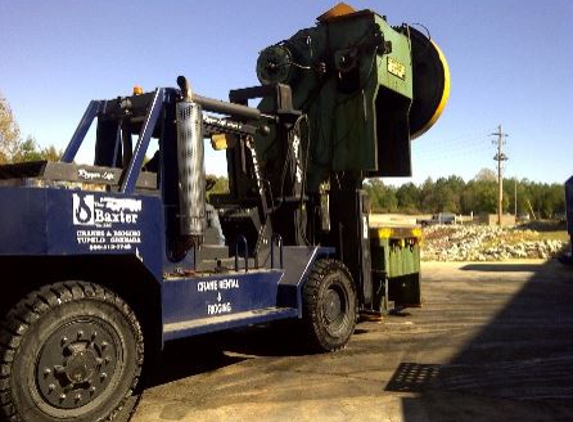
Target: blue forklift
x=104 y=263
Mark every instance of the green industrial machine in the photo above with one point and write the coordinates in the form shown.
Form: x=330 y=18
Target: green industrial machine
x=367 y=88
x=396 y=266
x=353 y=91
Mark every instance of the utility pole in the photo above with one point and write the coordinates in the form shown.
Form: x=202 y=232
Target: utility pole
x=499 y=157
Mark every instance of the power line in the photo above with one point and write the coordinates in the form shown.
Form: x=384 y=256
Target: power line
x=452 y=152
x=500 y=157
x=447 y=145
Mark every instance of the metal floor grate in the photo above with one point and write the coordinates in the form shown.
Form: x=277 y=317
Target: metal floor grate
x=413 y=377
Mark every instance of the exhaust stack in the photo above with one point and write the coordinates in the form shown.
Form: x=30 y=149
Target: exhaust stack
x=191 y=162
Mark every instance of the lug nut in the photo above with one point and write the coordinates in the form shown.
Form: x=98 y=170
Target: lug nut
x=94 y=335
x=104 y=344
x=80 y=334
x=62 y=396
x=51 y=387
x=78 y=397
x=47 y=371
x=103 y=375
x=107 y=360
x=92 y=390
x=64 y=340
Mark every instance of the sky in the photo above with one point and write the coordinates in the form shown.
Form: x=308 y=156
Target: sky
x=511 y=63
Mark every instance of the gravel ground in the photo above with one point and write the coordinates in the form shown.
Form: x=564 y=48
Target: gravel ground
x=486 y=243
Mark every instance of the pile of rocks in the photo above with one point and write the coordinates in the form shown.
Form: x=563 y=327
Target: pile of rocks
x=485 y=243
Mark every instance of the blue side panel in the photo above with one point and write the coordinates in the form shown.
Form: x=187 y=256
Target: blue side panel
x=57 y=222
x=224 y=294
x=298 y=262
x=22 y=221
x=106 y=223
x=194 y=305
x=225 y=322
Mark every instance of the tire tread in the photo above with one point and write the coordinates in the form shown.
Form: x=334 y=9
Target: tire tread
x=34 y=306
x=311 y=292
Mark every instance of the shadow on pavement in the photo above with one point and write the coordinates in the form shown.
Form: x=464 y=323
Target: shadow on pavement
x=518 y=367
x=196 y=355
x=188 y=357
x=502 y=267
x=180 y=359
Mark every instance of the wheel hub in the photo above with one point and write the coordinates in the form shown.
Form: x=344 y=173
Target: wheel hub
x=80 y=366
x=76 y=363
x=333 y=306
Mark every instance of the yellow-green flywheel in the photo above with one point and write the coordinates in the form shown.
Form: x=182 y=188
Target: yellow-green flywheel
x=431 y=83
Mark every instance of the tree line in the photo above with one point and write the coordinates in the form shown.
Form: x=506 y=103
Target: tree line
x=15 y=149
x=479 y=195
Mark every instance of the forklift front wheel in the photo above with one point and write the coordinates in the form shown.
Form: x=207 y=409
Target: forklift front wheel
x=70 y=351
x=330 y=305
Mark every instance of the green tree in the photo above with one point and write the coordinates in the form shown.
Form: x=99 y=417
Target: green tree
x=216 y=185
x=534 y=193
x=408 y=197
x=12 y=148
x=29 y=150
x=26 y=151
x=509 y=188
x=447 y=193
x=9 y=132
x=486 y=175
x=479 y=196
x=442 y=195
x=51 y=153
x=552 y=200
x=221 y=185
x=426 y=195
x=382 y=197
x=456 y=183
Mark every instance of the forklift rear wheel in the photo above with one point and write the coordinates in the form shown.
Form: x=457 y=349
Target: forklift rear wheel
x=330 y=305
x=70 y=351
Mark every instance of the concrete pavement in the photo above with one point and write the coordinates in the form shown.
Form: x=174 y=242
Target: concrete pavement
x=493 y=342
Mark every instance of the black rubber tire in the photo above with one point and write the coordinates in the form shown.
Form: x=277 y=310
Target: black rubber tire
x=25 y=334
x=329 y=278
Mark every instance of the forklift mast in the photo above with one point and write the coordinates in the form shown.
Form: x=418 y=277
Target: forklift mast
x=363 y=90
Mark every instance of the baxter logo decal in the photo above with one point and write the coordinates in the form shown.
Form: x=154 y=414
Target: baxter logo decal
x=104 y=211
x=83 y=210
